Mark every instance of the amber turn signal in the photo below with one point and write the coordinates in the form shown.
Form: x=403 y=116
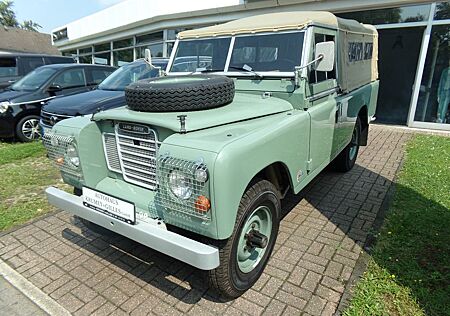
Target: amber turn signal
x=202 y=204
x=60 y=160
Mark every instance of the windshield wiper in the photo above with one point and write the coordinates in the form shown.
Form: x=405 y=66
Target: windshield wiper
x=206 y=70
x=247 y=68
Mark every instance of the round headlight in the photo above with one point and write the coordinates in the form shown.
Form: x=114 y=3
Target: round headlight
x=180 y=184
x=72 y=155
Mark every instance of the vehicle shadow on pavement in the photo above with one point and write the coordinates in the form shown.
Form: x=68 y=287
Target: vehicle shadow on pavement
x=322 y=234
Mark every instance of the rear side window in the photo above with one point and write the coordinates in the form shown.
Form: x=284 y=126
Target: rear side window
x=58 y=60
x=71 y=78
x=30 y=63
x=8 y=67
x=98 y=75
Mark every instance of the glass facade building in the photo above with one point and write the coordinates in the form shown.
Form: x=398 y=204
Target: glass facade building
x=414 y=63
x=414 y=60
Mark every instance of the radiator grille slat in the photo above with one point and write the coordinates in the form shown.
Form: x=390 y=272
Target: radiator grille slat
x=133 y=155
x=112 y=156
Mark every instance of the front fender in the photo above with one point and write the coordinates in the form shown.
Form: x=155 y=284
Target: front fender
x=285 y=139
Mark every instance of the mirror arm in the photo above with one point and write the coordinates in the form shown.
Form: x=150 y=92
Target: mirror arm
x=299 y=68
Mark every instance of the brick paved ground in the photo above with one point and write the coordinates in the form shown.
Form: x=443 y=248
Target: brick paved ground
x=317 y=249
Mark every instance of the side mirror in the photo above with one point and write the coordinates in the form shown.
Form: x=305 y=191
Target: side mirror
x=324 y=56
x=54 y=88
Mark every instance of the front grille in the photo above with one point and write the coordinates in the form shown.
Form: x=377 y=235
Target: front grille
x=133 y=154
x=110 y=146
x=51 y=119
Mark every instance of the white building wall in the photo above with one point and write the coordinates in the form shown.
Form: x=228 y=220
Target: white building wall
x=130 y=11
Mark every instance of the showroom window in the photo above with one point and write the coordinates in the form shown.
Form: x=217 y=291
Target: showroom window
x=434 y=98
x=415 y=13
x=153 y=41
x=102 y=54
x=123 y=51
x=85 y=55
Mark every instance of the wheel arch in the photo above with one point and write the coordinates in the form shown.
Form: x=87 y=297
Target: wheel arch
x=276 y=173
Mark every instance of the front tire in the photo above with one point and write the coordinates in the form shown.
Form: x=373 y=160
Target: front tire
x=346 y=160
x=245 y=254
x=27 y=129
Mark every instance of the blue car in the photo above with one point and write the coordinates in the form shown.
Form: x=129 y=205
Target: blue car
x=109 y=94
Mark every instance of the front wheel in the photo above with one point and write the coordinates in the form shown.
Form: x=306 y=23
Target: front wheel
x=347 y=158
x=245 y=254
x=27 y=129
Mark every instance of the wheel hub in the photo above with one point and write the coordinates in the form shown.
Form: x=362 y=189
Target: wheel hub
x=256 y=240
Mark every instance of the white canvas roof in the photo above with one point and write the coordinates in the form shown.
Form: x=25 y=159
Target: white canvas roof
x=278 y=22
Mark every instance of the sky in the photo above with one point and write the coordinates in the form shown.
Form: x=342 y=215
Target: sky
x=51 y=14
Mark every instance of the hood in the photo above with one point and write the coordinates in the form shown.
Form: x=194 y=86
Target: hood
x=244 y=107
x=86 y=103
x=20 y=96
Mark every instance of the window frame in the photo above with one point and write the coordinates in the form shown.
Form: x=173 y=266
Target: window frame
x=269 y=74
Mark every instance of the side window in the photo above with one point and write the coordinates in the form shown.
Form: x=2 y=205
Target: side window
x=71 y=78
x=8 y=67
x=30 y=63
x=97 y=76
x=319 y=76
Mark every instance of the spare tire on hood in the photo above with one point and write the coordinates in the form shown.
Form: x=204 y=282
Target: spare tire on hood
x=180 y=93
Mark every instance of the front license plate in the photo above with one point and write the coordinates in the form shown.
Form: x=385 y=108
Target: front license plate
x=109 y=205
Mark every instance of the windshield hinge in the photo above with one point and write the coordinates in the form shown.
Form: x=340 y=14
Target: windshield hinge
x=182 y=119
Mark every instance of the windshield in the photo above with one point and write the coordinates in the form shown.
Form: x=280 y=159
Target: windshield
x=274 y=52
x=34 y=80
x=127 y=74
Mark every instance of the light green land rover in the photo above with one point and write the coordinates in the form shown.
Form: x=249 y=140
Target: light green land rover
x=196 y=164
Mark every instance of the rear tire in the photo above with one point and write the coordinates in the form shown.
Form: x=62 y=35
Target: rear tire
x=89 y=225
x=347 y=158
x=241 y=261
x=28 y=129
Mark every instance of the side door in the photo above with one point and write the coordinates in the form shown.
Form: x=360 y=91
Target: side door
x=69 y=81
x=9 y=72
x=321 y=93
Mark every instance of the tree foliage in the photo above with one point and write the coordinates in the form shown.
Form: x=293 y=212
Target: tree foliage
x=8 y=17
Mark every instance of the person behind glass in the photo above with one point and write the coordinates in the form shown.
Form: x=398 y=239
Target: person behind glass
x=444 y=96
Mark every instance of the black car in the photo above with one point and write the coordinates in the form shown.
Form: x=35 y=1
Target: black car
x=20 y=104
x=15 y=66
x=109 y=94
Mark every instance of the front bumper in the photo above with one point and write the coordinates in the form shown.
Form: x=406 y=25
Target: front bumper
x=197 y=254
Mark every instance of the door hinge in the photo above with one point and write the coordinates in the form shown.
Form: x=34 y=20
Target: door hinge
x=308 y=165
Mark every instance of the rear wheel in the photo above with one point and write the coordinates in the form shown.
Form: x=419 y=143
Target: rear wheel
x=28 y=129
x=245 y=254
x=346 y=159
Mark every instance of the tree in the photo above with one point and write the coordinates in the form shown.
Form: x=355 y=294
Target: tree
x=8 y=17
x=30 y=25
x=7 y=14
